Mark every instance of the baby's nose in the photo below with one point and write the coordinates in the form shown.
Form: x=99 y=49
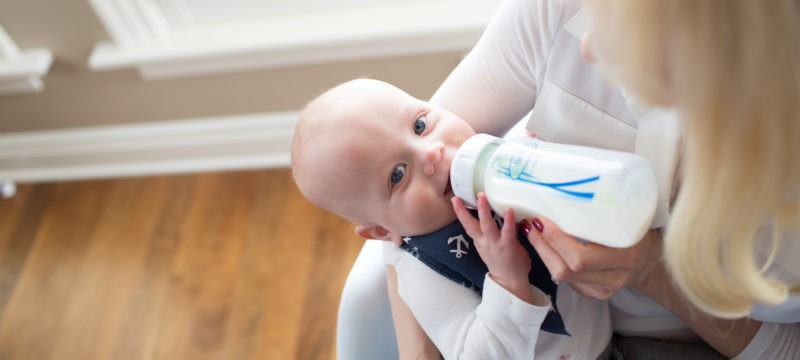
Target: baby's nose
x=432 y=157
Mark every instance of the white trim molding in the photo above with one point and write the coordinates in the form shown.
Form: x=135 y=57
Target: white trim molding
x=142 y=39
x=21 y=71
x=252 y=141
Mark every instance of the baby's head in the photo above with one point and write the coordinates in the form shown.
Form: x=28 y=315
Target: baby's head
x=379 y=157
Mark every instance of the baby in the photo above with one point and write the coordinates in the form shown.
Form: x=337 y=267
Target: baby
x=381 y=158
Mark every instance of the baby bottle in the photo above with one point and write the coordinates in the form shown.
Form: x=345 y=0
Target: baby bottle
x=603 y=196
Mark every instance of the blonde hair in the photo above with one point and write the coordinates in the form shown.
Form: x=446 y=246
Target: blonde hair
x=733 y=70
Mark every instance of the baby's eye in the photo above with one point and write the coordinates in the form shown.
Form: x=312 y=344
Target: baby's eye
x=397 y=174
x=419 y=125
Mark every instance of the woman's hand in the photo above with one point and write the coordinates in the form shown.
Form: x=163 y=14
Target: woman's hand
x=591 y=269
x=506 y=259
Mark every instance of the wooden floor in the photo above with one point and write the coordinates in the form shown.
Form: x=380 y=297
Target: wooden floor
x=231 y=265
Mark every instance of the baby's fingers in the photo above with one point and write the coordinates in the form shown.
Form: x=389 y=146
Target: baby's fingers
x=488 y=225
x=509 y=231
x=470 y=223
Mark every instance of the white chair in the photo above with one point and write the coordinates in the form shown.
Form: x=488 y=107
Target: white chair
x=364 y=328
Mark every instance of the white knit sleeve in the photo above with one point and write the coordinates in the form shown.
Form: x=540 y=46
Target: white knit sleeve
x=773 y=341
x=497 y=82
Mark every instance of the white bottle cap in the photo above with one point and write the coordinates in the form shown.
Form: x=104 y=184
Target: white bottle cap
x=462 y=169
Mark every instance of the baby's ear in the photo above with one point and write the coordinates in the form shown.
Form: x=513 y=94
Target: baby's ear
x=373 y=232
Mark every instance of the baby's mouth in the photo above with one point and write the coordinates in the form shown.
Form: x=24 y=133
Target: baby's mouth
x=448 y=186
x=448 y=190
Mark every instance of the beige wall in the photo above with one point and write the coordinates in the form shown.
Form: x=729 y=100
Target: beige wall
x=74 y=96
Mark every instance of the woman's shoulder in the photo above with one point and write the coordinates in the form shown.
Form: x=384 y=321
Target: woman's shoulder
x=539 y=15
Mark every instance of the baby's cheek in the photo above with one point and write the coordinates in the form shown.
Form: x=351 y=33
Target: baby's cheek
x=437 y=215
x=430 y=214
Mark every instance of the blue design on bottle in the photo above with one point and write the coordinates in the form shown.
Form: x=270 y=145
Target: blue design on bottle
x=516 y=169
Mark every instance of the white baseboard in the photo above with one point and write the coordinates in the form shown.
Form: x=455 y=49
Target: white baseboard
x=196 y=145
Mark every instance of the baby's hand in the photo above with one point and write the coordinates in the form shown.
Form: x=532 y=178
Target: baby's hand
x=507 y=260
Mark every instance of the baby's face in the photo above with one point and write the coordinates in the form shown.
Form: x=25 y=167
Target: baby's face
x=387 y=159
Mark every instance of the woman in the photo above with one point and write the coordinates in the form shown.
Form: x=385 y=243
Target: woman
x=529 y=60
x=733 y=69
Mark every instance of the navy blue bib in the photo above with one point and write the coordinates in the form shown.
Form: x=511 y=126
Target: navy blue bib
x=450 y=252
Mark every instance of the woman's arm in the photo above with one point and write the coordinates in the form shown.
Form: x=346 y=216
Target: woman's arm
x=412 y=342
x=729 y=337
x=598 y=271
x=774 y=341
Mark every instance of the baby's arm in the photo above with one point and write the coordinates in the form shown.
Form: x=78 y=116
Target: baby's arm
x=506 y=259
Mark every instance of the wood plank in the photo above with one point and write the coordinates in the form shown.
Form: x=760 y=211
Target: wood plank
x=106 y=280
x=334 y=252
x=19 y=220
x=287 y=262
x=10 y=213
x=204 y=269
x=258 y=271
x=35 y=312
x=143 y=316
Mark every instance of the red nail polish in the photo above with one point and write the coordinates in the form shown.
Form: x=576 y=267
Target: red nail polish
x=538 y=225
x=526 y=227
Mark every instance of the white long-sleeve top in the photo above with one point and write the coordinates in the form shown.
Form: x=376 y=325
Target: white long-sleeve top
x=528 y=62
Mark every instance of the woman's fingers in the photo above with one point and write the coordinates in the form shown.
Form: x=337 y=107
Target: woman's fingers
x=592 y=270
x=594 y=284
x=552 y=260
x=608 y=280
x=592 y=291
x=586 y=256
